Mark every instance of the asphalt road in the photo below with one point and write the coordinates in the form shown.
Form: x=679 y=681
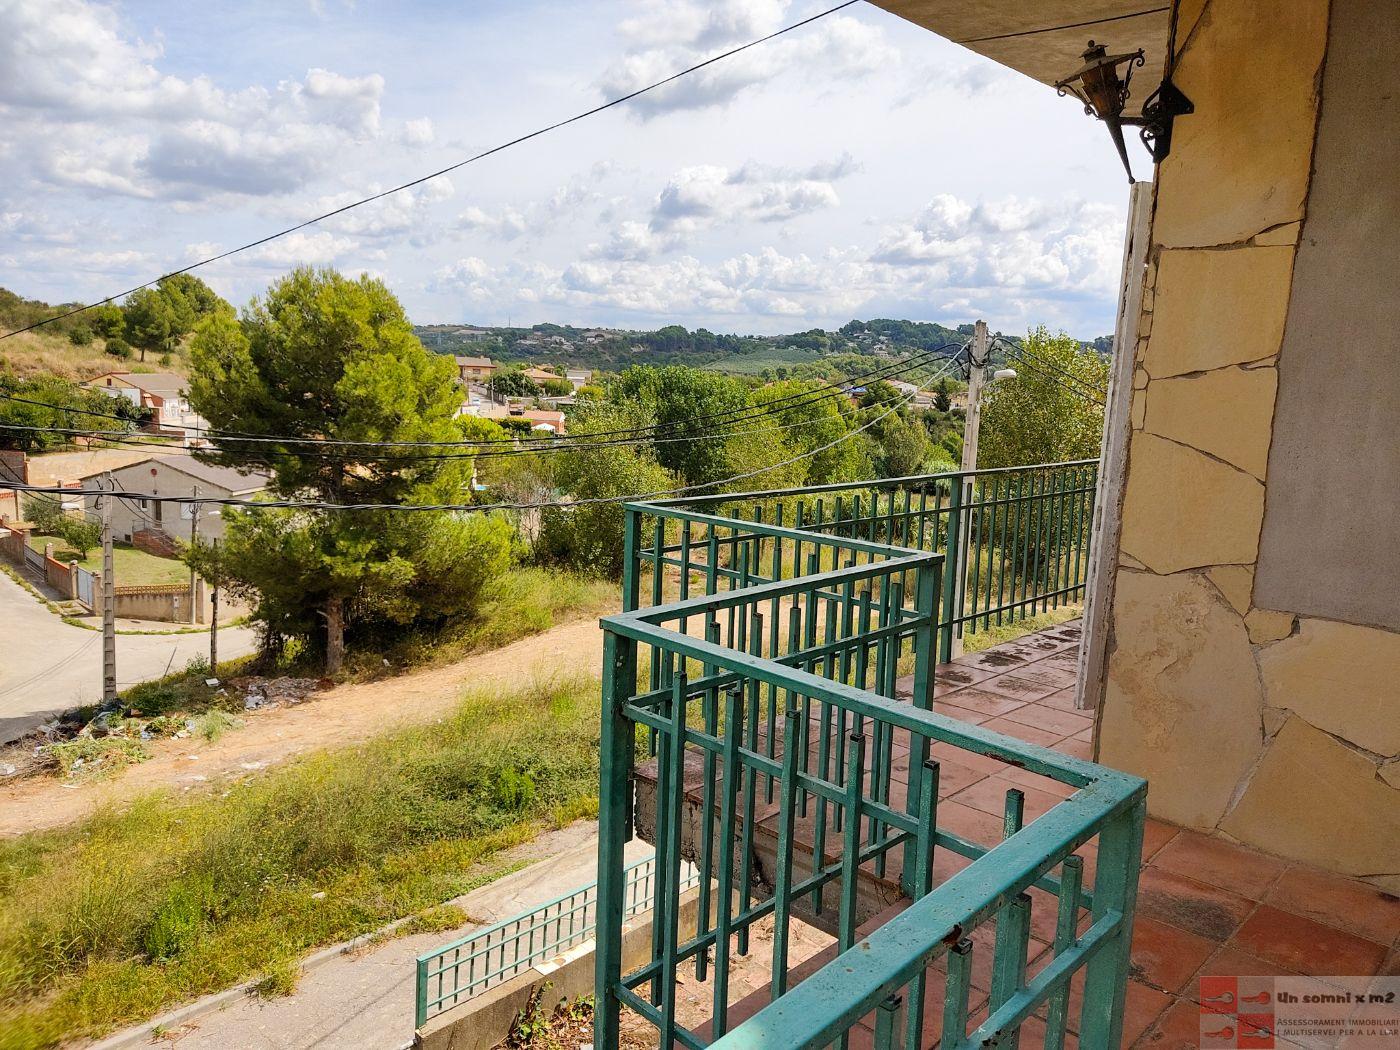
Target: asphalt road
x=48 y=666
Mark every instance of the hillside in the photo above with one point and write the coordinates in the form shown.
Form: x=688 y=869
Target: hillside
x=69 y=347
x=73 y=349
x=611 y=349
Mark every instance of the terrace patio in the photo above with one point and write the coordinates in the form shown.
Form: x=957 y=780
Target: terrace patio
x=1206 y=906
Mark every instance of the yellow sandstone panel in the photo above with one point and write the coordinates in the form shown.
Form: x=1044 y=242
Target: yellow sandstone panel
x=1341 y=678
x=1228 y=412
x=1285 y=234
x=1235 y=582
x=1390 y=772
x=1316 y=800
x=1239 y=164
x=1184 y=510
x=1265 y=625
x=1182 y=698
x=1218 y=308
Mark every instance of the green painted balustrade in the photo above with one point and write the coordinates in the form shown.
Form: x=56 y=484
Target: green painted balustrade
x=761 y=681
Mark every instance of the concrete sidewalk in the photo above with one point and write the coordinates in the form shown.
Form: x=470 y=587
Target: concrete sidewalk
x=364 y=999
x=48 y=666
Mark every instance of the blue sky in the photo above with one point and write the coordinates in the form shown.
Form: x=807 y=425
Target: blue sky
x=858 y=167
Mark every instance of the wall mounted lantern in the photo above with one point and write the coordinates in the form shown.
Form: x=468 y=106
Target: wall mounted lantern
x=1105 y=95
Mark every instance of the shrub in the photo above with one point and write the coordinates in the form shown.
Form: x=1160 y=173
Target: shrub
x=174 y=927
x=79 y=533
x=119 y=347
x=279 y=981
x=213 y=724
x=80 y=335
x=44 y=513
x=94 y=757
x=513 y=791
x=558 y=387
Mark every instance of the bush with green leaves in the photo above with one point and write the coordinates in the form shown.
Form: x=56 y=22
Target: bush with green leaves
x=35 y=427
x=80 y=533
x=587 y=536
x=557 y=387
x=44 y=513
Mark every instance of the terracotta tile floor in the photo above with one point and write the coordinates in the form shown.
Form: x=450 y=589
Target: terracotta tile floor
x=1206 y=906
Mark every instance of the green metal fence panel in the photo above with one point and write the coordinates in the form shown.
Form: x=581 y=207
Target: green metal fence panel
x=468 y=966
x=779 y=626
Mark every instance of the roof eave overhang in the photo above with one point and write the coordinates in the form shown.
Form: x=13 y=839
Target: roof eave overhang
x=1045 y=39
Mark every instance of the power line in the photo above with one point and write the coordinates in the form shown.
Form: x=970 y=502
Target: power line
x=131 y=439
x=801 y=399
x=288 y=504
x=450 y=168
x=804 y=398
x=1077 y=387
x=1023 y=353
x=1018 y=349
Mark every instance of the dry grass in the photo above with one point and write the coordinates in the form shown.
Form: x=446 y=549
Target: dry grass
x=36 y=353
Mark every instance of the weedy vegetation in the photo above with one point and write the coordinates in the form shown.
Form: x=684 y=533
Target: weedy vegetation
x=108 y=922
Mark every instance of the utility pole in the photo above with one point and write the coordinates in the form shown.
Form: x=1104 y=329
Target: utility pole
x=214 y=619
x=194 y=540
x=109 y=597
x=977 y=351
x=976 y=372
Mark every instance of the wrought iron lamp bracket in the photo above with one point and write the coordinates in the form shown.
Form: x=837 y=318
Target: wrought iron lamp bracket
x=1104 y=95
x=1161 y=108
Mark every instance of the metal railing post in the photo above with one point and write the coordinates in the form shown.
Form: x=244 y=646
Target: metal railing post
x=952 y=571
x=1115 y=889
x=420 y=1009
x=614 y=828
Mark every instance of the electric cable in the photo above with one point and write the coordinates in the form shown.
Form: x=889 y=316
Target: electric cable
x=1074 y=386
x=316 y=505
x=444 y=171
x=1067 y=25
x=804 y=398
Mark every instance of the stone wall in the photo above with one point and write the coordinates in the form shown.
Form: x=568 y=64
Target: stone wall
x=1276 y=729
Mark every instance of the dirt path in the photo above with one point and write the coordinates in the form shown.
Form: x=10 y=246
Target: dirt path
x=339 y=716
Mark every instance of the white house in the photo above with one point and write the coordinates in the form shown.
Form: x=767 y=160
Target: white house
x=172 y=475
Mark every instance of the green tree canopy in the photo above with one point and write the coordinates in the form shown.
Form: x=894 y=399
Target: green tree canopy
x=692 y=404
x=151 y=324
x=325 y=356
x=811 y=419
x=1047 y=413
x=512 y=382
x=588 y=536
x=50 y=422
x=157 y=318
x=941 y=397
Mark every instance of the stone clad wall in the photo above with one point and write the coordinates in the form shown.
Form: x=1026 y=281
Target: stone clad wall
x=1279 y=730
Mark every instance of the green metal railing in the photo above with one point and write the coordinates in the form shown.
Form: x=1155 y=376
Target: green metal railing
x=466 y=967
x=1016 y=538
x=769 y=703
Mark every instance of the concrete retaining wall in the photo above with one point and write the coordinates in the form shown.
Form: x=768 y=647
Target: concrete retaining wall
x=485 y=1021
